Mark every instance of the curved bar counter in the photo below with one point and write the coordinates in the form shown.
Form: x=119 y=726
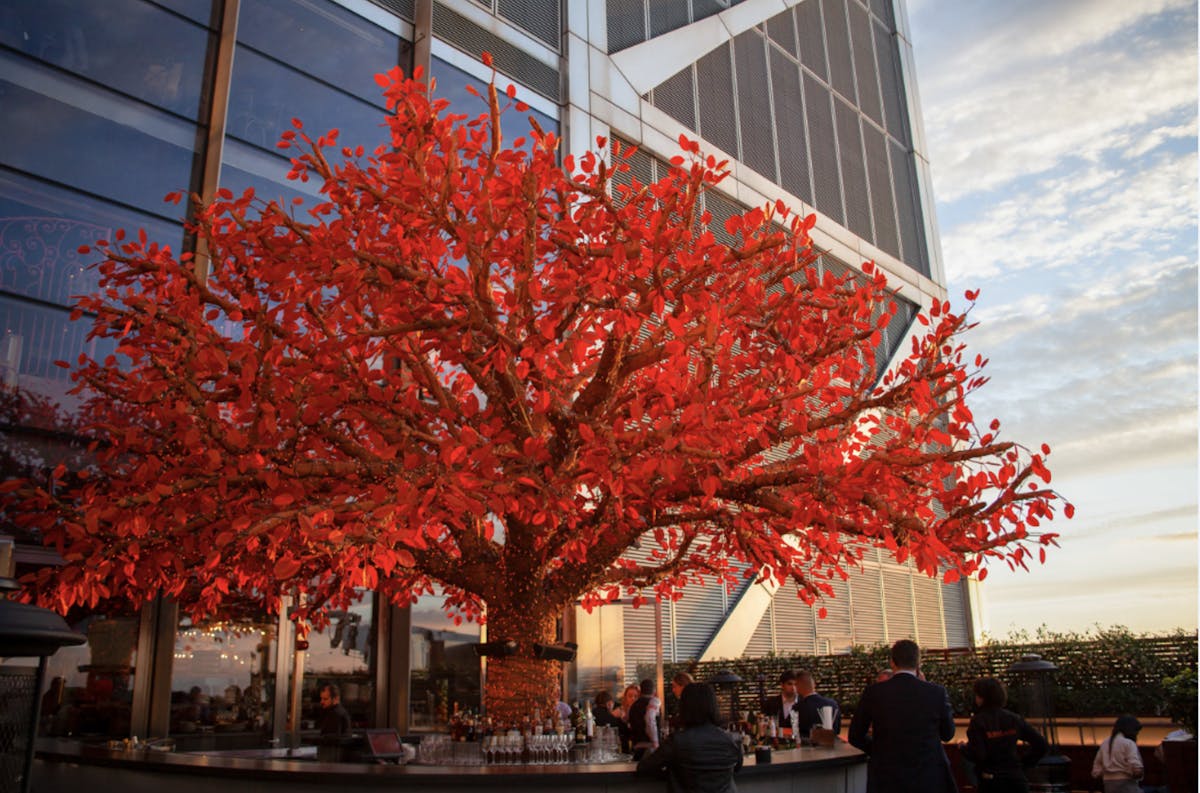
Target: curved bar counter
x=71 y=767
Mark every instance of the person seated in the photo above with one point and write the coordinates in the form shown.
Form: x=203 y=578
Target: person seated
x=701 y=756
x=602 y=711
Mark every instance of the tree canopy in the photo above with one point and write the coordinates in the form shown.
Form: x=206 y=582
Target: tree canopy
x=479 y=368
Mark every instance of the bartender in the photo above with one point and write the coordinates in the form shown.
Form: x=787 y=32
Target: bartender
x=335 y=719
x=780 y=707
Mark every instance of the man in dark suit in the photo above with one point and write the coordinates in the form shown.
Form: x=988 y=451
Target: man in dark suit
x=811 y=703
x=901 y=724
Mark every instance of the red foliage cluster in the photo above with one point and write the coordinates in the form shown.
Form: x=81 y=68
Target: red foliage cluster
x=470 y=367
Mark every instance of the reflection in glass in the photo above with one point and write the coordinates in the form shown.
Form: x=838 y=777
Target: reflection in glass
x=41 y=229
x=248 y=167
x=94 y=141
x=89 y=692
x=445 y=669
x=342 y=654
x=321 y=39
x=130 y=45
x=223 y=683
x=265 y=96
x=33 y=337
x=452 y=85
x=196 y=10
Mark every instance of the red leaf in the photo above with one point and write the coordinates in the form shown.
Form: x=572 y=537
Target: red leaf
x=286 y=567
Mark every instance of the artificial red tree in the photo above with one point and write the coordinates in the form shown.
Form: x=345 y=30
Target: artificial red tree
x=482 y=369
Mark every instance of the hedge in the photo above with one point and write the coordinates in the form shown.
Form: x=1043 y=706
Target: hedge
x=1110 y=672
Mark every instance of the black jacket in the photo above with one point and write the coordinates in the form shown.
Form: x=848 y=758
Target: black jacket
x=901 y=724
x=335 y=720
x=637 y=720
x=810 y=715
x=696 y=760
x=773 y=706
x=992 y=743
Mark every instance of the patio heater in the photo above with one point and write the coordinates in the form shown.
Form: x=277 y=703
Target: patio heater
x=1031 y=693
x=25 y=632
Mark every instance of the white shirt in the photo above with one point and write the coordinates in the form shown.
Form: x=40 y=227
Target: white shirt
x=1118 y=758
x=652 y=720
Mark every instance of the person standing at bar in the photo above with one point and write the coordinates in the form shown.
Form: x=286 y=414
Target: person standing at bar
x=901 y=724
x=701 y=756
x=643 y=721
x=811 y=703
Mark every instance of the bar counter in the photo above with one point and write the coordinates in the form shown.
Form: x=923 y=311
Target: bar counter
x=71 y=767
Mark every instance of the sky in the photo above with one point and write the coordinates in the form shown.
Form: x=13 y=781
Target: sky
x=1063 y=143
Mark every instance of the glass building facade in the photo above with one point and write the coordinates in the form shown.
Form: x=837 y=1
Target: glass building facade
x=109 y=106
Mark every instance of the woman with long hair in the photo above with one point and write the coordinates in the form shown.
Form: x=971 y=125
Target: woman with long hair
x=1118 y=761
x=702 y=757
x=992 y=738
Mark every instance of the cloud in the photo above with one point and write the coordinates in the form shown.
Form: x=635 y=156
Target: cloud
x=1062 y=138
x=1017 y=89
x=1168 y=580
x=1095 y=213
x=1183 y=536
x=1103 y=370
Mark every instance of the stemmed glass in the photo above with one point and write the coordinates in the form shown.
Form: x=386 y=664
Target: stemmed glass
x=514 y=749
x=563 y=747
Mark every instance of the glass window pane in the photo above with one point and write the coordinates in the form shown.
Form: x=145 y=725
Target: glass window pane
x=452 y=85
x=196 y=10
x=265 y=96
x=342 y=654
x=90 y=688
x=324 y=40
x=41 y=229
x=223 y=683
x=246 y=166
x=130 y=45
x=33 y=337
x=93 y=140
x=445 y=668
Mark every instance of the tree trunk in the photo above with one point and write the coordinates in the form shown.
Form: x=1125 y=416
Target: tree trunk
x=517 y=684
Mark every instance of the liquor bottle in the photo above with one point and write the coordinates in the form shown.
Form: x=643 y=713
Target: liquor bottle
x=589 y=720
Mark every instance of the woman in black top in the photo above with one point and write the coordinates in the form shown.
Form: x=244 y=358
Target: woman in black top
x=702 y=757
x=992 y=741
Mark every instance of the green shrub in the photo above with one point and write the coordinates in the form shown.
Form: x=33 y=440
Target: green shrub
x=1105 y=673
x=1180 y=693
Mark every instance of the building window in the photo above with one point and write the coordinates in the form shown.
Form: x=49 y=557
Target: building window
x=444 y=676
x=223 y=682
x=90 y=687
